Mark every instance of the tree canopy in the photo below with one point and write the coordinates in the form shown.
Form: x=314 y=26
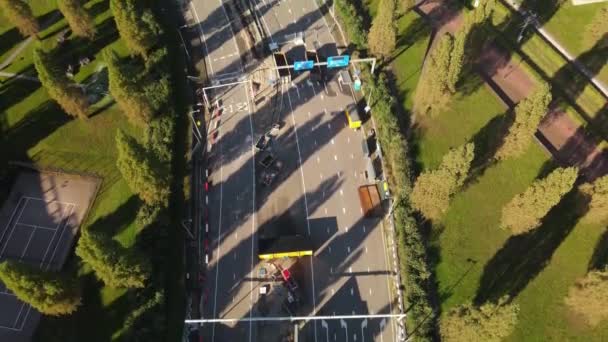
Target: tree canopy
x=440 y=73
x=491 y=322
x=589 y=297
x=19 y=13
x=78 y=18
x=142 y=171
x=528 y=114
x=434 y=189
x=68 y=94
x=526 y=210
x=115 y=265
x=137 y=25
x=127 y=90
x=50 y=293
x=598 y=204
x=382 y=37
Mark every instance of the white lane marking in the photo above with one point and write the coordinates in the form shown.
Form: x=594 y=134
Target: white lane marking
x=348 y=140
x=308 y=114
x=344 y=210
x=363 y=227
x=329 y=249
x=325 y=211
x=219 y=239
x=331 y=270
x=236 y=49
x=325 y=111
x=346 y=229
x=350 y=270
x=253 y=210
x=322 y=97
x=327 y=230
x=233 y=276
x=352 y=291
x=335 y=157
x=203 y=36
x=318 y=160
x=341 y=192
x=332 y=141
x=312 y=270
x=321 y=175
x=352 y=156
x=332 y=293
x=370 y=291
x=365 y=250
x=348 y=249
x=329 y=125
x=206 y=199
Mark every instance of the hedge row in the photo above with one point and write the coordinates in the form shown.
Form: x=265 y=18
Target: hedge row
x=415 y=272
x=353 y=23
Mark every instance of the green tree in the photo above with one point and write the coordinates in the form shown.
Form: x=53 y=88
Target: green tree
x=526 y=210
x=440 y=73
x=68 y=94
x=115 y=265
x=352 y=23
x=528 y=115
x=136 y=25
x=456 y=60
x=434 y=189
x=126 y=90
x=491 y=322
x=19 y=13
x=78 y=18
x=382 y=37
x=48 y=292
x=431 y=92
x=589 y=297
x=142 y=171
x=598 y=205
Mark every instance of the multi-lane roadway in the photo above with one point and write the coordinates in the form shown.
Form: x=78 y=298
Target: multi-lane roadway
x=315 y=195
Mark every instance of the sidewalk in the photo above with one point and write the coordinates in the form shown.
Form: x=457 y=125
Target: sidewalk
x=560 y=135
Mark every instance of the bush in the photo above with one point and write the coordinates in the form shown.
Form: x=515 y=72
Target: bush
x=353 y=23
x=415 y=272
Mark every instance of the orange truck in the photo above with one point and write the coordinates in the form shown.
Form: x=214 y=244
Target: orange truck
x=371 y=198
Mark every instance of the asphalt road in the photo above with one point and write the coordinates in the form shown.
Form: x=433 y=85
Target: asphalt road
x=316 y=194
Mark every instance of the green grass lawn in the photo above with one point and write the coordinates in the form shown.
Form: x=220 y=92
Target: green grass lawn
x=571 y=88
x=569 y=26
x=34 y=129
x=477 y=260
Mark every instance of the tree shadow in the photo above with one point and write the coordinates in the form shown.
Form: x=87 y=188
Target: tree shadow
x=15 y=90
x=574 y=82
x=523 y=257
x=8 y=40
x=599 y=258
x=487 y=142
x=33 y=128
x=118 y=220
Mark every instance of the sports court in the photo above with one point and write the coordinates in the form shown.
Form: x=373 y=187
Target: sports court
x=38 y=224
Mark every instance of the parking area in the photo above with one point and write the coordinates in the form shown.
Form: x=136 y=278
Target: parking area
x=38 y=224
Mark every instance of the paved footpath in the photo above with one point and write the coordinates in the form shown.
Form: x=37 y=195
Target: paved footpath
x=559 y=134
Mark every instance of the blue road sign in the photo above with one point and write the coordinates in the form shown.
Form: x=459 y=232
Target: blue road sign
x=303 y=65
x=338 y=61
